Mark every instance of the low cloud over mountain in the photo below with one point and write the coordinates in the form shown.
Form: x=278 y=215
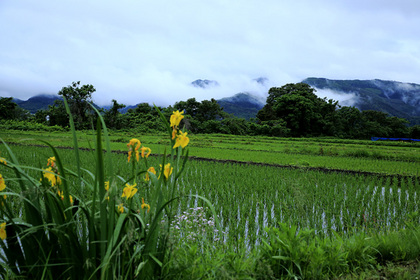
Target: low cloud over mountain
x=395 y=98
x=205 y=83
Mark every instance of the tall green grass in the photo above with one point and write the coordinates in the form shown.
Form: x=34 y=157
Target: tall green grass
x=88 y=222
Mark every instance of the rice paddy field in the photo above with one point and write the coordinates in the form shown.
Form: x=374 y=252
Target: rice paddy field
x=292 y=182
x=329 y=186
x=398 y=158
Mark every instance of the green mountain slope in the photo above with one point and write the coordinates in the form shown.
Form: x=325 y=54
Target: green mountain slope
x=38 y=102
x=242 y=105
x=395 y=98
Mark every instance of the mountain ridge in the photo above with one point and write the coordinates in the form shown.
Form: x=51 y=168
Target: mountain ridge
x=242 y=105
x=37 y=102
x=394 y=98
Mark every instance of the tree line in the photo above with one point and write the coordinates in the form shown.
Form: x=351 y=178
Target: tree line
x=293 y=110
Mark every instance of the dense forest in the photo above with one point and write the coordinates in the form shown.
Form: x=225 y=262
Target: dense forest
x=293 y=110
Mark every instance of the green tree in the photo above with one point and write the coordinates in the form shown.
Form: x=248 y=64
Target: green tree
x=375 y=123
x=197 y=113
x=414 y=132
x=41 y=116
x=143 y=109
x=305 y=113
x=209 y=110
x=9 y=110
x=57 y=114
x=143 y=118
x=190 y=107
x=78 y=98
x=113 y=115
x=349 y=122
x=6 y=107
x=398 y=126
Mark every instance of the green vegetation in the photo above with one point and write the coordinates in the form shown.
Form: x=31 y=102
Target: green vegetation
x=292 y=110
x=401 y=158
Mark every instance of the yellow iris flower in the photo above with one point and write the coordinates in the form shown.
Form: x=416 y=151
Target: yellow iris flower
x=181 y=140
x=145 y=152
x=130 y=153
x=2 y=183
x=3 y=160
x=129 y=191
x=134 y=142
x=60 y=193
x=51 y=162
x=121 y=208
x=51 y=176
x=144 y=205
x=151 y=169
x=3 y=234
x=133 y=145
x=107 y=188
x=167 y=171
x=176 y=118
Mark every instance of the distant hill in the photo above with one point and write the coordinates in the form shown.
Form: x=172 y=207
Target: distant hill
x=242 y=105
x=395 y=98
x=38 y=102
x=204 y=83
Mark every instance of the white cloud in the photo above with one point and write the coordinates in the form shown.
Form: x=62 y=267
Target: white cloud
x=150 y=51
x=344 y=99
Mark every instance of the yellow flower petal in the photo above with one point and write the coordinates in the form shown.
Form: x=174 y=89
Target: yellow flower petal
x=52 y=176
x=176 y=118
x=152 y=170
x=3 y=234
x=181 y=140
x=129 y=191
x=145 y=152
x=167 y=171
x=2 y=183
x=121 y=208
x=134 y=142
x=51 y=162
x=133 y=145
x=144 y=205
x=3 y=161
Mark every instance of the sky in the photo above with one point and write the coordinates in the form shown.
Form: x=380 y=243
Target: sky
x=150 y=51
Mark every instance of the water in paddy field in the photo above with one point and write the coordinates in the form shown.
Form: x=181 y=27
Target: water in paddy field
x=376 y=207
x=359 y=204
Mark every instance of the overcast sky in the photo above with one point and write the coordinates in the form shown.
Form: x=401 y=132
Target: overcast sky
x=150 y=51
